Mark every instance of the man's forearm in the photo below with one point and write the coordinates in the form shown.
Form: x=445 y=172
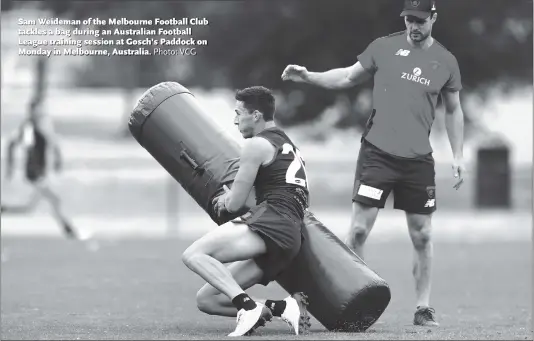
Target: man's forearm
x=237 y=197
x=454 y=123
x=332 y=79
x=233 y=204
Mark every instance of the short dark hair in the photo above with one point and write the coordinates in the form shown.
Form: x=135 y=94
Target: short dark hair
x=258 y=98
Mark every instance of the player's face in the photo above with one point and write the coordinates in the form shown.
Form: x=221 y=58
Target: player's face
x=419 y=29
x=244 y=120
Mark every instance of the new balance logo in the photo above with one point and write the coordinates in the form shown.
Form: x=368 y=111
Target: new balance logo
x=430 y=203
x=402 y=52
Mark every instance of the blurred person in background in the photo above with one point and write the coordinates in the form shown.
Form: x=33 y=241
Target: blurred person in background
x=42 y=159
x=410 y=69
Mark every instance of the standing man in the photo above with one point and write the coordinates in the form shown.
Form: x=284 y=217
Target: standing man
x=410 y=69
x=270 y=236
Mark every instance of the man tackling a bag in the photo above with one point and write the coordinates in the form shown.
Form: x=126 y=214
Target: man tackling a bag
x=271 y=234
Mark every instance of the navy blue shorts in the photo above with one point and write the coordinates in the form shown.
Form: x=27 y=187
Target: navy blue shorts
x=282 y=233
x=411 y=180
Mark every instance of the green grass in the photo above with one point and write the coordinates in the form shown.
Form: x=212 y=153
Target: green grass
x=139 y=289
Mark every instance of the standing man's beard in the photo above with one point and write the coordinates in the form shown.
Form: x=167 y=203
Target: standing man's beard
x=418 y=36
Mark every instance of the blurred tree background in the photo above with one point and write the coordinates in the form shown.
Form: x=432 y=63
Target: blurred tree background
x=251 y=42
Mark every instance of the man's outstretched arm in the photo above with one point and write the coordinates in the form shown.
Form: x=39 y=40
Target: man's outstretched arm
x=341 y=78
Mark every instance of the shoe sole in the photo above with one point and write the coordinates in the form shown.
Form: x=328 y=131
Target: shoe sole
x=304 y=319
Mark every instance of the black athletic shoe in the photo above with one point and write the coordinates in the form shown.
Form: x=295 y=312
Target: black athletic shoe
x=424 y=316
x=70 y=233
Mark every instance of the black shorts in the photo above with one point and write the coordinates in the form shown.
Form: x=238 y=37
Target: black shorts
x=412 y=180
x=282 y=233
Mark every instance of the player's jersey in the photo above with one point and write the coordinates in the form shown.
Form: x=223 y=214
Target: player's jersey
x=407 y=83
x=283 y=182
x=35 y=144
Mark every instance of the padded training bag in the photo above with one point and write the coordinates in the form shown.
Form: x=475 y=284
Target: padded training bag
x=344 y=294
x=168 y=122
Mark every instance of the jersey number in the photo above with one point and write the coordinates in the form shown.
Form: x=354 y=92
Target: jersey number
x=295 y=166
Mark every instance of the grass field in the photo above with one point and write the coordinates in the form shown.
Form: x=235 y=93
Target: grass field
x=134 y=288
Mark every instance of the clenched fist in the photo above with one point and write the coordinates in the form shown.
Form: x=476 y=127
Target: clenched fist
x=295 y=73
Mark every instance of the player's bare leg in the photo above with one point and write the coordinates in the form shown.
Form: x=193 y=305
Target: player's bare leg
x=228 y=244
x=55 y=202
x=211 y=301
x=232 y=244
x=420 y=227
x=293 y=309
x=361 y=222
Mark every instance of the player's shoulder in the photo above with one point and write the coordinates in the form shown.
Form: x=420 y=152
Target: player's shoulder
x=386 y=42
x=395 y=35
x=392 y=37
x=257 y=147
x=275 y=136
x=258 y=141
x=445 y=53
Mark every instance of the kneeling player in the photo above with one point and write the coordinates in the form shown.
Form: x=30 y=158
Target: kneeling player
x=271 y=235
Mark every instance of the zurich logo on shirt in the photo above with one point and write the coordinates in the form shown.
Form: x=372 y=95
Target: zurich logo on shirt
x=415 y=76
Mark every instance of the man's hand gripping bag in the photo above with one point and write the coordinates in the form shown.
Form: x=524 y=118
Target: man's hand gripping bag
x=344 y=294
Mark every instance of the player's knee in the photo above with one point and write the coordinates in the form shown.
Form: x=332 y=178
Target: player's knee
x=190 y=255
x=420 y=230
x=186 y=257
x=210 y=300
x=204 y=301
x=421 y=239
x=363 y=218
x=359 y=231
